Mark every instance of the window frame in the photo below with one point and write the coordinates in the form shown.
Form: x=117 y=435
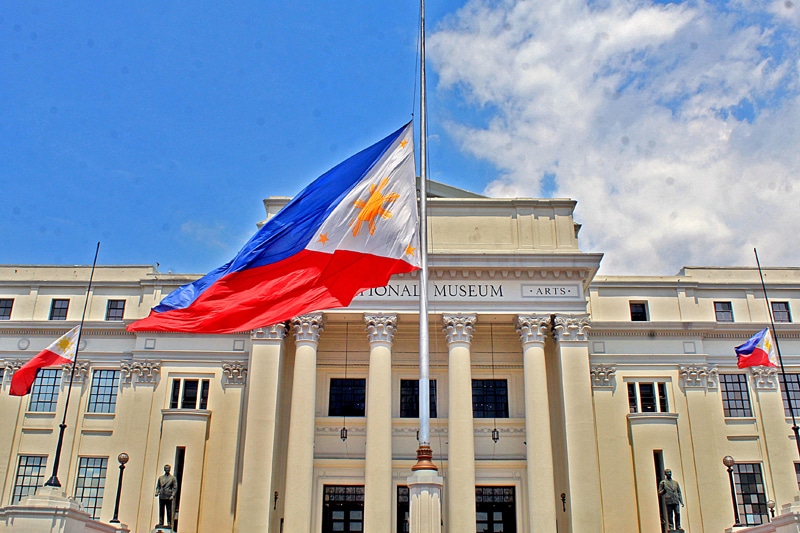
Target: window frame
x=412 y=399
x=791 y=392
x=495 y=402
x=91 y=495
x=112 y=308
x=786 y=311
x=660 y=397
x=729 y=407
x=24 y=490
x=640 y=315
x=721 y=313
x=742 y=503
x=102 y=393
x=57 y=305
x=178 y=399
x=45 y=390
x=6 y=304
x=352 y=408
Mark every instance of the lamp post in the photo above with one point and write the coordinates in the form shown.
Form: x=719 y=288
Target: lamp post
x=771 y=507
x=122 y=458
x=729 y=461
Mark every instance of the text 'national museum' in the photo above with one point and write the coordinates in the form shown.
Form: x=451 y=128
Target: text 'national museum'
x=558 y=398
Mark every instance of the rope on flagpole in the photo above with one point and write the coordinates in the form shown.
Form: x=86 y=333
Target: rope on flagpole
x=780 y=359
x=53 y=481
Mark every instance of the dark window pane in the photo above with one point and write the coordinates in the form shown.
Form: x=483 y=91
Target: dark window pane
x=780 y=312
x=489 y=398
x=347 y=397
x=44 y=392
x=30 y=476
x=190 y=389
x=638 y=312
x=790 y=391
x=633 y=403
x=103 y=393
x=409 y=398
x=204 y=395
x=662 y=397
x=751 y=497
x=176 y=394
x=723 y=311
x=91 y=484
x=647 y=395
x=115 y=310
x=5 y=308
x=58 y=309
x=735 y=395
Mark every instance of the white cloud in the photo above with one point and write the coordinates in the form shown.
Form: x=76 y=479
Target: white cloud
x=675 y=126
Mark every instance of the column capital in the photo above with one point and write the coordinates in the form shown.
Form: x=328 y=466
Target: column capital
x=458 y=327
x=570 y=328
x=698 y=376
x=380 y=327
x=307 y=328
x=603 y=376
x=275 y=332
x=765 y=377
x=533 y=328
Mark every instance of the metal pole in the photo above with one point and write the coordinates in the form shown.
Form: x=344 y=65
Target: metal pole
x=424 y=452
x=795 y=428
x=123 y=458
x=53 y=481
x=728 y=461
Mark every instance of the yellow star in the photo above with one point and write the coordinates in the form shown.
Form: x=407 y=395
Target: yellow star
x=323 y=238
x=403 y=143
x=410 y=250
x=64 y=345
x=373 y=207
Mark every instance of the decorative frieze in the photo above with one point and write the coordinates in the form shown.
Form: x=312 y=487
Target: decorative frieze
x=380 y=327
x=81 y=371
x=276 y=332
x=533 y=328
x=572 y=327
x=765 y=377
x=458 y=328
x=699 y=376
x=234 y=372
x=603 y=376
x=307 y=327
x=145 y=371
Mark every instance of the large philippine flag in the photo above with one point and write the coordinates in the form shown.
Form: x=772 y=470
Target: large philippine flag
x=350 y=230
x=60 y=352
x=759 y=350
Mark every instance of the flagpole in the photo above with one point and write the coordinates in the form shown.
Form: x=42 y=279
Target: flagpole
x=780 y=359
x=424 y=452
x=53 y=481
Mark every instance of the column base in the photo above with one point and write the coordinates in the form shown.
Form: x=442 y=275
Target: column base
x=425 y=502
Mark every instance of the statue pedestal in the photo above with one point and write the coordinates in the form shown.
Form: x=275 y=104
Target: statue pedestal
x=425 y=502
x=51 y=510
x=163 y=529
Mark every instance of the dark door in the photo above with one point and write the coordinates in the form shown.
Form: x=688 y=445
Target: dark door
x=342 y=508
x=496 y=510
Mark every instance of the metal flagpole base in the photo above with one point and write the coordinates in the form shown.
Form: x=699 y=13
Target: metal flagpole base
x=425 y=495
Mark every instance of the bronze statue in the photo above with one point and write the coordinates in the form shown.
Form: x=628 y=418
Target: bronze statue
x=671 y=491
x=166 y=489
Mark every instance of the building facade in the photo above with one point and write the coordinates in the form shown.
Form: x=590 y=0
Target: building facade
x=558 y=397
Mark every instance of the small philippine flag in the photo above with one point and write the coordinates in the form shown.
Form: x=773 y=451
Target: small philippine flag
x=60 y=352
x=759 y=350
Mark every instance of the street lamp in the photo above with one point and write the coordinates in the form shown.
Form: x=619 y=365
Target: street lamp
x=771 y=507
x=122 y=458
x=729 y=461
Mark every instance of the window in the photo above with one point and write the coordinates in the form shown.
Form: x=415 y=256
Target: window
x=639 y=312
x=58 y=309
x=797 y=474
x=790 y=390
x=5 y=308
x=403 y=508
x=723 y=311
x=750 y=496
x=30 y=476
x=489 y=398
x=409 y=398
x=347 y=397
x=735 y=396
x=495 y=509
x=342 y=508
x=44 y=392
x=647 y=397
x=115 y=310
x=91 y=483
x=103 y=394
x=189 y=394
x=780 y=312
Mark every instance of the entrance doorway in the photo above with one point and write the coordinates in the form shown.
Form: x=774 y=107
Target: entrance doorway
x=496 y=510
x=342 y=508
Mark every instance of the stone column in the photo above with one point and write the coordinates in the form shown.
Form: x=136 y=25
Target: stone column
x=580 y=437
x=541 y=498
x=253 y=503
x=461 y=432
x=378 y=461
x=299 y=499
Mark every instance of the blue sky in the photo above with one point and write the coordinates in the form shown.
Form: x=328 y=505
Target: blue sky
x=157 y=128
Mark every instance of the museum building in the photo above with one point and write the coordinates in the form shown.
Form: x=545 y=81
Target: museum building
x=558 y=397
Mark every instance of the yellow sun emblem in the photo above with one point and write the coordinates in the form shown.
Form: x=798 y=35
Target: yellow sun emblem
x=373 y=207
x=64 y=344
